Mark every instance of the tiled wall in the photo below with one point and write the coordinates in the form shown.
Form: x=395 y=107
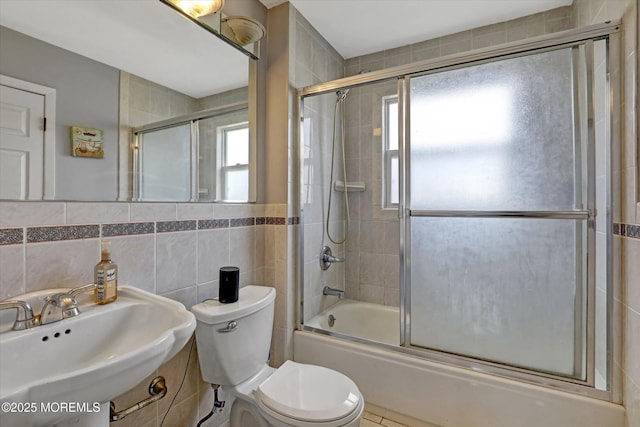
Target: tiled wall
x=626 y=214
x=170 y=249
x=517 y=29
x=373 y=249
x=317 y=61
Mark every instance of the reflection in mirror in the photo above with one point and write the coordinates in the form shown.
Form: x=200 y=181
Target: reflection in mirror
x=126 y=71
x=201 y=157
x=241 y=32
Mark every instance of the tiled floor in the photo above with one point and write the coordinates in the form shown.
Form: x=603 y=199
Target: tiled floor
x=373 y=420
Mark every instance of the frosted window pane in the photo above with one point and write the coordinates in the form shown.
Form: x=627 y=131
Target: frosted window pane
x=165 y=164
x=395 y=186
x=237 y=185
x=496 y=136
x=502 y=290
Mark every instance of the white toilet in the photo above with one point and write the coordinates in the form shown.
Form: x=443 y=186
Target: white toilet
x=233 y=348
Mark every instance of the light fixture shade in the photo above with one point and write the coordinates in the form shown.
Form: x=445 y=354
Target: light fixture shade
x=198 y=8
x=244 y=30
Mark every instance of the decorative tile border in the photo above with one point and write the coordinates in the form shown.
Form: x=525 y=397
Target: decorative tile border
x=11 y=236
x=212 y=224
x=272 y=220
x=55 y=234
x=14 y=236
x=293 y=220
x=627 y=230
x=128 y=229
x=171 y=226
x=242 y=222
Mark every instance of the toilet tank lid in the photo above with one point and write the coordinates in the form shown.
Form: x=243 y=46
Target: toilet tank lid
x=251 y=298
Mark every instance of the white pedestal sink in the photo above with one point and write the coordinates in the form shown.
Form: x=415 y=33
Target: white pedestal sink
x=65 y=373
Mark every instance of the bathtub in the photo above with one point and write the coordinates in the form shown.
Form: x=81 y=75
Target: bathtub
x=424 y=393
x=373 y=322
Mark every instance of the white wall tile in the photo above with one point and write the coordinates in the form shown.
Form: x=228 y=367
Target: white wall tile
x=22 y=214
x=175 y=261
x=208 y=290
x=97 y=213
x=135 y=256
x=632 y=350
x=64 y=264
x=242 y=249
x=12 y=268
x=195 y=211
x=213 y=253
x=143 y=212
x=187 y=296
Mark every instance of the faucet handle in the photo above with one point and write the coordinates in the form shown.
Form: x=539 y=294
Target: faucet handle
x=24 y=317
x=327 y=258
x=57 y=307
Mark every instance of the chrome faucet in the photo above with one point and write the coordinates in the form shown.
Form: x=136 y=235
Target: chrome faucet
x=24 y=318
x=327 y=258
x=57 y=307
x=63 y=305
x=82 y=289
x=333 y=292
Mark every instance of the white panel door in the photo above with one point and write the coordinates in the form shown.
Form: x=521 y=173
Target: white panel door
x=21 y=144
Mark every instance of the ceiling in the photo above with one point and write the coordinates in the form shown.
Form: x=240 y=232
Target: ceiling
x=359 y=27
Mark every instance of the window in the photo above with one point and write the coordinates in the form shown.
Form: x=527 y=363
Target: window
x=390 y=191
x=233 y=162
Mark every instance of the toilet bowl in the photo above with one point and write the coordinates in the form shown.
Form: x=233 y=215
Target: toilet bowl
x=233 y=347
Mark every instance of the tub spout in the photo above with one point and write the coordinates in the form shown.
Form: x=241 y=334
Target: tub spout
x=333 y=292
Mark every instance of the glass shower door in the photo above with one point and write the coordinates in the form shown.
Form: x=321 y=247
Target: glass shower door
x=164 y=159
x=499 y=208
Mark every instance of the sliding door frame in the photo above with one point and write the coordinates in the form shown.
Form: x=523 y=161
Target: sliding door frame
x=609 y=31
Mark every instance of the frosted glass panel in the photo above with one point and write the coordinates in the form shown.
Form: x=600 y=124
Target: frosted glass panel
x=496 y=136
x=502 y=290
x=237 y=184
x=166 y=164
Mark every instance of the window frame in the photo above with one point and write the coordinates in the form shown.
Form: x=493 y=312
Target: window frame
x=222 y=169
x=389 y=154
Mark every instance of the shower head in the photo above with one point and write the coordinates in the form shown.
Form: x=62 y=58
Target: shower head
x=342 y=94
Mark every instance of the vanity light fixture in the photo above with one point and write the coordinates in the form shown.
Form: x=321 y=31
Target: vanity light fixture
x=242 y=32
x=198 y=8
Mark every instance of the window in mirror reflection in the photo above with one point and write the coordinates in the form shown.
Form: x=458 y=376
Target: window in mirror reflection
x=233 y=170
x=208 y=160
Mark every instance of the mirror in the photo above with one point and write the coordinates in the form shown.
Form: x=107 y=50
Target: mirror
x=114 y=67
x=242 y=32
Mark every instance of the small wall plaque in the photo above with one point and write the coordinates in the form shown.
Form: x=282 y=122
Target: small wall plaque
x=86 y=142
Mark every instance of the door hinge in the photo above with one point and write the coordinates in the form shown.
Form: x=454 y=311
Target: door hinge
x=44 y=124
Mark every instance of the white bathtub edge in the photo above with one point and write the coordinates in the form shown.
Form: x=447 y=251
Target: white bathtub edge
x=450 y=396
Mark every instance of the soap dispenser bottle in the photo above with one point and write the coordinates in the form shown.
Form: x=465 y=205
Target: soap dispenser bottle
x=105 y=277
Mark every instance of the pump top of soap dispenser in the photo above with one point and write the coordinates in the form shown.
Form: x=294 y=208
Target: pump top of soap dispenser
x=105 y=250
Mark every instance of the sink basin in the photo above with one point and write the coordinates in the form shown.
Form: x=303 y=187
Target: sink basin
x=91 y=358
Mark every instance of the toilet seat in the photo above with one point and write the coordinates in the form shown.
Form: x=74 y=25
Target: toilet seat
x=309 y=394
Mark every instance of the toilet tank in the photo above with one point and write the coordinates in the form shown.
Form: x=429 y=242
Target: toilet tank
x=234 y=339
